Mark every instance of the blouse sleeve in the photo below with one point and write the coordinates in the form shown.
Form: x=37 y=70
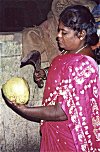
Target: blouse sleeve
x=78 y=87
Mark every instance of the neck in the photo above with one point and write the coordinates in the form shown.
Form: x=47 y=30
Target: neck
x=81 y=49
x=88 y=51
x=78 y=51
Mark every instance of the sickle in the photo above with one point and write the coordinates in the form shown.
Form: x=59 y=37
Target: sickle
x=33 y=58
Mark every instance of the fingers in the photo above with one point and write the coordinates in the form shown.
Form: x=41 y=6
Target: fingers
x=12 y=104
x=40 y=74
x=7 y=101
x=39 y=77
x=4 y=97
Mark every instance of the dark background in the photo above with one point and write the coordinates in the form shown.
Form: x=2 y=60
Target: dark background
x=15 y=15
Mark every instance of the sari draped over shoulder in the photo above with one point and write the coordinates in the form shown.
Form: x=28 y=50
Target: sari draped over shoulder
x=73 y=81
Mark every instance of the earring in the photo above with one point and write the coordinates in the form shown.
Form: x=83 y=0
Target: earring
x=81 y=38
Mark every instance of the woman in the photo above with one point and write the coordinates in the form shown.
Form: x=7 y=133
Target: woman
x=70 y=115
x=43 y=37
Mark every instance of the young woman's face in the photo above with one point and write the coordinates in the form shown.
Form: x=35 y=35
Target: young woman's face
x=68 y=39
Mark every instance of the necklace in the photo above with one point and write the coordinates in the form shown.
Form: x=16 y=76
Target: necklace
x=81 y=49
x=65 y=52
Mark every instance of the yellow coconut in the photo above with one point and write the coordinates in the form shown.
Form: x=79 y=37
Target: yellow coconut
x=17 y=89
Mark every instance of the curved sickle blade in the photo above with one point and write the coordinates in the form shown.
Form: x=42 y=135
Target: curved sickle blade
x=33 y=58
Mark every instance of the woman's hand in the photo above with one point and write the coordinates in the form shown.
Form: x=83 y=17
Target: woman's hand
x=39 y=76
x=36 y=114
x=22 y=110
x=11 y=104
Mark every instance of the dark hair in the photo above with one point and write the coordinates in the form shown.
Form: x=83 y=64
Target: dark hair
x=79 y=18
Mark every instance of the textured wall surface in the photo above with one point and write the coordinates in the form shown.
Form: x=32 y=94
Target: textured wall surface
x=16 y=133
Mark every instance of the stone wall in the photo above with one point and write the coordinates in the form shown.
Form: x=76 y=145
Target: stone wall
x=16 y=133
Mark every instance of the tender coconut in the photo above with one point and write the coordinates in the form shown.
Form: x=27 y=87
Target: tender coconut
x=16 y=89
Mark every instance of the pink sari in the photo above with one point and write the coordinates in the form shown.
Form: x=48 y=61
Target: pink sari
x=73 y=81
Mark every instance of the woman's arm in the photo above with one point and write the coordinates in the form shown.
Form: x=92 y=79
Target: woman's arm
x=48 y=113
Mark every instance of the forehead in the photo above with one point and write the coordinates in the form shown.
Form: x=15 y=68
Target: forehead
x=64 y=28
x=60 y=24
